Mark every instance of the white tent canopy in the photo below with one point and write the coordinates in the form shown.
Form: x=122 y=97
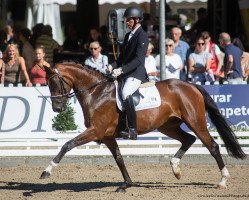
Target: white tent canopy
x=47 y=12
x=101 y=2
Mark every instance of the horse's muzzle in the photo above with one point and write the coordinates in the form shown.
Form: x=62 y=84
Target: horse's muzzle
x=59 y=107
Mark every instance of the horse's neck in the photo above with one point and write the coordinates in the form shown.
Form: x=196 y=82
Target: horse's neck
x=91 y=99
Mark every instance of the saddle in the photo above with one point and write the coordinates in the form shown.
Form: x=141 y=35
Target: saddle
x=137 y=95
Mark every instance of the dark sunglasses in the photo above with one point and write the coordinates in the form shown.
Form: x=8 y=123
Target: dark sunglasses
x=94 y=48
x=201 y=44
x=169 y=45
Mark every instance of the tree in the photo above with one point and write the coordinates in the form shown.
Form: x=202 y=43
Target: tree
x=65 y=121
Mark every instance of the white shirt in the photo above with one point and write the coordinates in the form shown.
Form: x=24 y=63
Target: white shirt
x=173 y=65
x=150 y=64
x=133 y=32
x=101 y=63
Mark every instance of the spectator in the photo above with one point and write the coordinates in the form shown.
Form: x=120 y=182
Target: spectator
x=244 y=59
x=37 y=73
x=72 y=41
x=199 y=26
x=27 y=49
x=50 y=45
x=14 y=65
x=200 y=63
x=97 y=60
x=173 y=63
x=214 y=50
x=95 y=35
x=3 y=40
x=36 y=32
x=2 y=71
x=150 y=64
x=232 y=60
x=10 y=34
x=182 y=49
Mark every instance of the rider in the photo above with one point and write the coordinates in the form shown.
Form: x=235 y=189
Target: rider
x=129 y=67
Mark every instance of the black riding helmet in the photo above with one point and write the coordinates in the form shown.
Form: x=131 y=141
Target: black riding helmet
x=133 y=11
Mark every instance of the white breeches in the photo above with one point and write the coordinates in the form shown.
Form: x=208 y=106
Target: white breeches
x=130 y=86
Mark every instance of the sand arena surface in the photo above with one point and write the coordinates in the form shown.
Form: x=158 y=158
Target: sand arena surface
x=155 y=181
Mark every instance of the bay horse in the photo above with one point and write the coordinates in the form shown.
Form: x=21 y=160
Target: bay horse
x=182 y=102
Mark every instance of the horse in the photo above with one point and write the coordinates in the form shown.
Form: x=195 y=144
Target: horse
x=181 y=102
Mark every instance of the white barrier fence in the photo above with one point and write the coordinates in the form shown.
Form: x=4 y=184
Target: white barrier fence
x=154 y=143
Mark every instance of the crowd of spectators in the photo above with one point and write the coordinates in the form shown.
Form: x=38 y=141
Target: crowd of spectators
x=194 y=57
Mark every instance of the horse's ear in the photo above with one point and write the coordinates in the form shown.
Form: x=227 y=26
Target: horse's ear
x=48 y=70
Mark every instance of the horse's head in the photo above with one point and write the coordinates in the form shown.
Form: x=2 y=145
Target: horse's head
x=59 y=89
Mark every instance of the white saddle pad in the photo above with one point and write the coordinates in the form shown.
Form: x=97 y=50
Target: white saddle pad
x=151 y=98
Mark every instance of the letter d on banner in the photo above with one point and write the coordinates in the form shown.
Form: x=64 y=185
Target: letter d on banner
x=4 y=105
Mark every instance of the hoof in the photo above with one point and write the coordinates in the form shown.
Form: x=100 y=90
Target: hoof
x=177 y=171
x=221 y=186
x=178 y=175
x=44 y=175
x=120 y=190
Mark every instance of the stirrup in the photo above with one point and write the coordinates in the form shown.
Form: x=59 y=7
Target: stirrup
x=131 y=134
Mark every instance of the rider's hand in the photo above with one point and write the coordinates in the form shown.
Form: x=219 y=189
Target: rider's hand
x=117 y=72
x=109 y=67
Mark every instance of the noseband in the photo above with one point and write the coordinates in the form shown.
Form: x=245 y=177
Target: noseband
x=61 y=81
x=66 y=94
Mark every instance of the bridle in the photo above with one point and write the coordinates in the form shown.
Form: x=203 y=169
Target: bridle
x=66 y=94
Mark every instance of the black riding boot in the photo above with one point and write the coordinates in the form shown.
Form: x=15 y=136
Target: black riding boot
x=132 y=119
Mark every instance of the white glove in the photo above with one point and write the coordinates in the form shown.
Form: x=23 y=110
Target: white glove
x=109 y=67
x=117 y=72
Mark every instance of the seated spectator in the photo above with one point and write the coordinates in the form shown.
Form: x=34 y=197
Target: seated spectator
x=72 y=41
x=200 y=63
x=27 y=50
x=150 y=64
x=232 y=61
x=2 y=71
x=14 y=66
x=214 y=50
x=97 y=60
x=37 y=73
x=173 y=61
x=50 y=45
x=182 y=49
x=244 y=59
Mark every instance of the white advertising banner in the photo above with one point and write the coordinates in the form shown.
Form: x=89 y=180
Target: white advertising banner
x=29 y=109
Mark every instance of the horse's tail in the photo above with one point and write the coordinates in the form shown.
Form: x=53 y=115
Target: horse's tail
x=226 y=133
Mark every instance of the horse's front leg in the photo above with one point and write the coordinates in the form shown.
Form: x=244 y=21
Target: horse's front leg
x=87 y=136
x=113 y=147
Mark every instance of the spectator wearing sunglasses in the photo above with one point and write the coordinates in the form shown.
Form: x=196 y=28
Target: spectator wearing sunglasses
x=200 y=62
x=97 y=60
x=174 y=63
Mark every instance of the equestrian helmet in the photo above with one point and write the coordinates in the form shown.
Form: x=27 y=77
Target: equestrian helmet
x=133 y=11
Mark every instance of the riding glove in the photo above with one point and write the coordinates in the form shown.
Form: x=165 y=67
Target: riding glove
x=117 y=72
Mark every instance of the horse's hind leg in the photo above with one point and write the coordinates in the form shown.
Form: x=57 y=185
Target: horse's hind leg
x=113 y=147
x=87 y=136
x=201 y=131
x=173 y=130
